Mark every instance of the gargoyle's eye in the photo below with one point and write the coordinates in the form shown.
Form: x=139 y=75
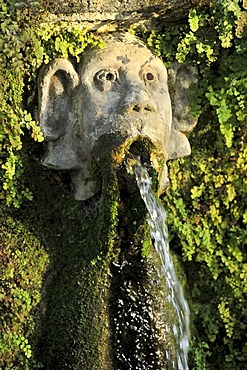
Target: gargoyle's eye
x=104 y=75
x=149 y=76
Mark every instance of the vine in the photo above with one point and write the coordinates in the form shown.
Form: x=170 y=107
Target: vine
x=206 y=200
x=25 y=45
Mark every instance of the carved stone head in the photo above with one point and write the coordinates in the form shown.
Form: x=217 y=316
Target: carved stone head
x=114 y=97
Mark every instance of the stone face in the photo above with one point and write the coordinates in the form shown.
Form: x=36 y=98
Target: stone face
x=125 y=87
x=116 y=96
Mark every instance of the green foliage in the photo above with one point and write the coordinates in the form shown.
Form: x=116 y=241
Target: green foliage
x=201 y=352
x=18 y=47
x=64 y=40
x=206 y=201
x=23 y=262
x=24 y=46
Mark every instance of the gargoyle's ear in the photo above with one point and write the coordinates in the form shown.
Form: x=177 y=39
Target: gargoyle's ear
x=57 y=83
x=180 y=77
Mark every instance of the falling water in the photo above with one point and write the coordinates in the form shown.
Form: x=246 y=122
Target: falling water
x=159 y=233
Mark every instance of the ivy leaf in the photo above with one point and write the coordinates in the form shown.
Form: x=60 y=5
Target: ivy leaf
x=245 y=218
x=193 y=20
x=197 y=191
x=211 y=97
x=228 y=132
x=224 y=113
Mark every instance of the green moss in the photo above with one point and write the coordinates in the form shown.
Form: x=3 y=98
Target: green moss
x=23 y=263
x=71 y=330
x=145 y=247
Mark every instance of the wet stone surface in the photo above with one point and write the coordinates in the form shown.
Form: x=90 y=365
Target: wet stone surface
x=140 y=337
x=135 y=338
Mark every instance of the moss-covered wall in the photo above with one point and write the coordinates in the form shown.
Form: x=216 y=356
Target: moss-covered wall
x=60 y=249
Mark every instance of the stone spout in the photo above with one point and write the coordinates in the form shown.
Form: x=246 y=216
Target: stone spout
x=116 y=96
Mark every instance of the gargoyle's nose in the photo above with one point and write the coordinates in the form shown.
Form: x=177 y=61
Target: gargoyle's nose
x=138 y=100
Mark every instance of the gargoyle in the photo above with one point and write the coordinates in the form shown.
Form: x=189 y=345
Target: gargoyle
x=113 y=97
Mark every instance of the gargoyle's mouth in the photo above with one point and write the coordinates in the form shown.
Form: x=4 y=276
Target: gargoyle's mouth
x=128 y=149
x=141 y=149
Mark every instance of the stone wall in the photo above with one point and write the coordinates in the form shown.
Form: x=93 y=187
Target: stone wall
x=95 y=13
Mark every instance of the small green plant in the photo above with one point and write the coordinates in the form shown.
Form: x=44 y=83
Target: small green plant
x=23 y=52
x=206 y=201
x=23 y=262
x=201 y=352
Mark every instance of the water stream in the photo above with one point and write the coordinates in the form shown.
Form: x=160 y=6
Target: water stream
x=159 y=233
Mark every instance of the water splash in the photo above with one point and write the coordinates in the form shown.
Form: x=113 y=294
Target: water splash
x=159 y=233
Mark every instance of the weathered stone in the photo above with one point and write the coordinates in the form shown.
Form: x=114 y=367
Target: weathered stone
x=119 y=95
x=95 y=13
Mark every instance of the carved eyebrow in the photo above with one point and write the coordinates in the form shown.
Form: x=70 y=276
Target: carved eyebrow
x=148 y=61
